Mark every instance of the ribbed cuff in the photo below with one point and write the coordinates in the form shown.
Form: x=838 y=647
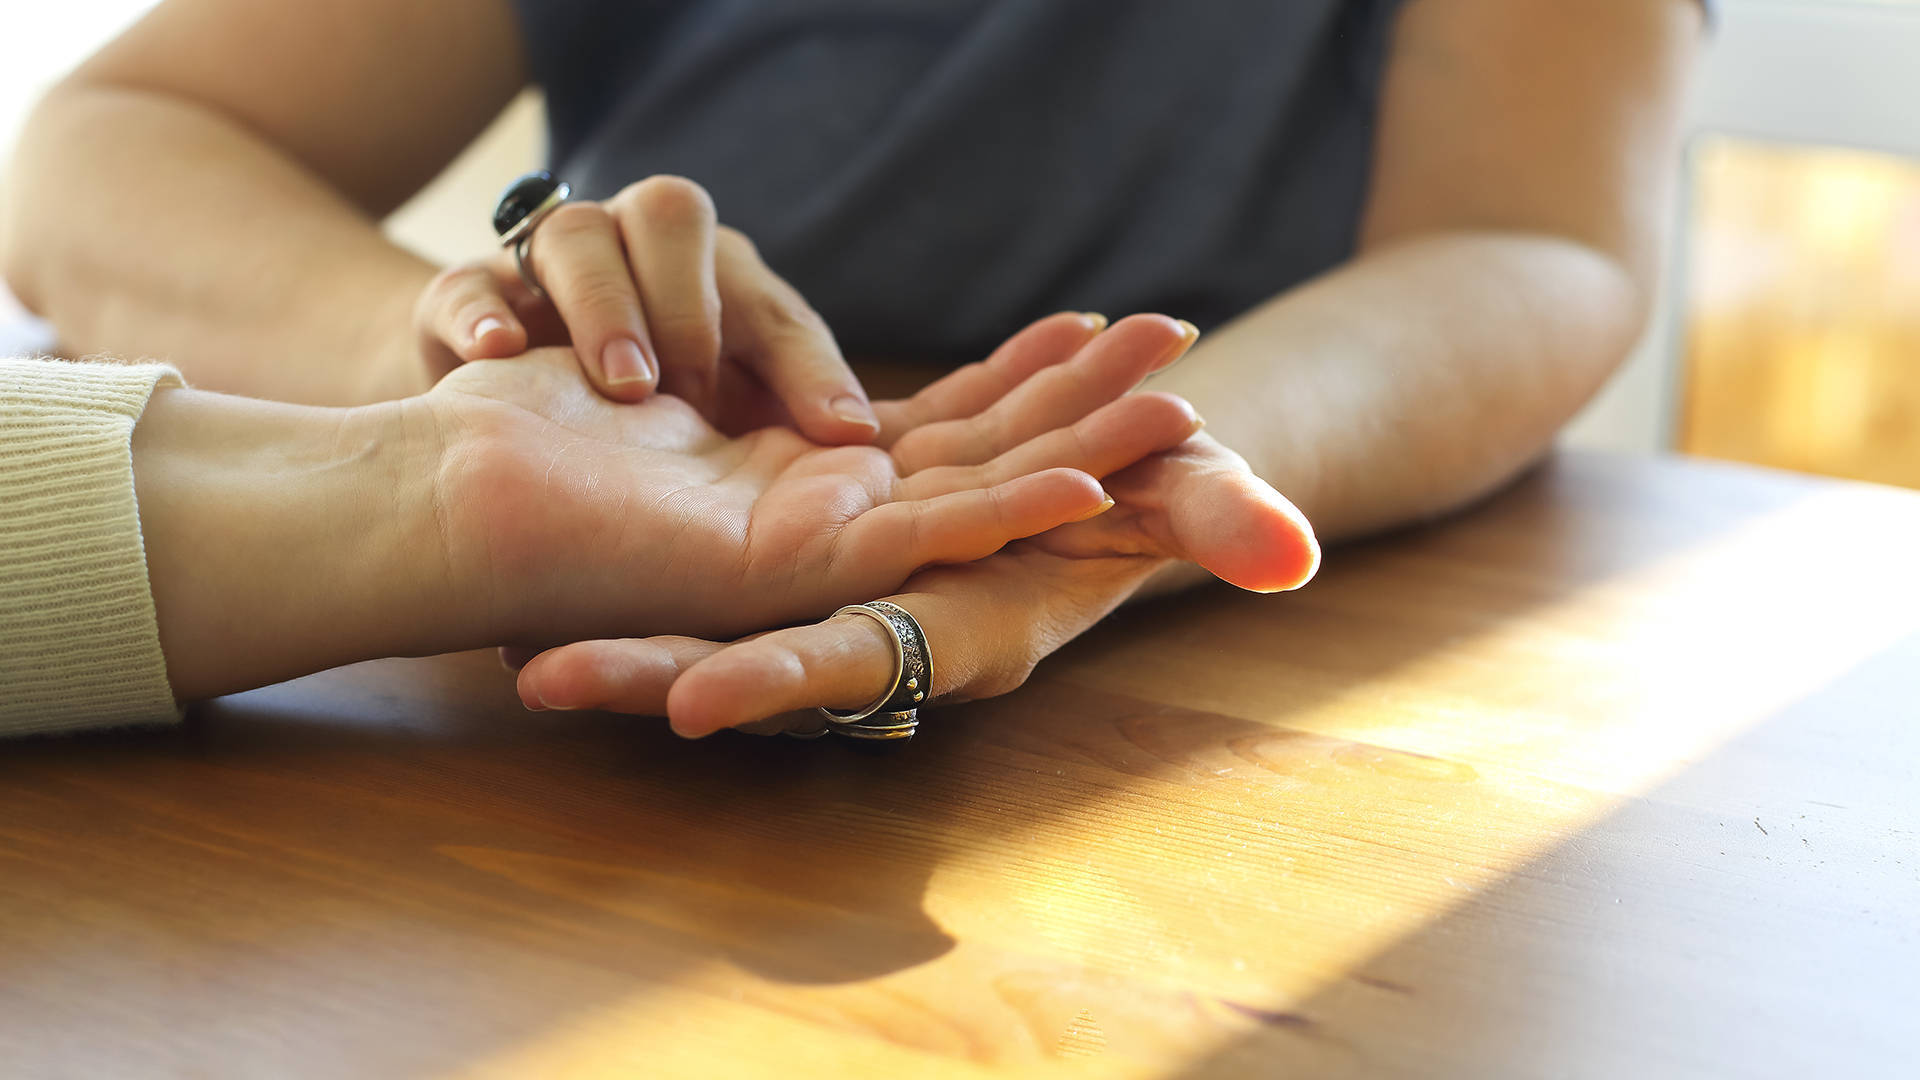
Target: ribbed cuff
x=79 y=643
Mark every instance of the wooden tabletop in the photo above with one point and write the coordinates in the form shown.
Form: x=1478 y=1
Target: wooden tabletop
x=1615 y=775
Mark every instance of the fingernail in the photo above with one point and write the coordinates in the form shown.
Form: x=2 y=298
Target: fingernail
x=533 y=707
x=854 y=411
x=1098 y=320
x=622 y=362
x=548 y=706
x=1096 y=511
x=486 y=326
x=1189 y=334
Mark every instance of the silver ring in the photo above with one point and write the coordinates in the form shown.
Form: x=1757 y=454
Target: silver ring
x=899 y=666
x=520 y=263
x=519 y=234
x=523 y=228
x=901 y=725
x=896 y=713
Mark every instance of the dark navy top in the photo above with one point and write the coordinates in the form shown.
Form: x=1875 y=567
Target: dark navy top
x=932 y=174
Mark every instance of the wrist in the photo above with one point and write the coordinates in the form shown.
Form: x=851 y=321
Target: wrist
x=411 y=563
x=390 y=342
x=283 y=540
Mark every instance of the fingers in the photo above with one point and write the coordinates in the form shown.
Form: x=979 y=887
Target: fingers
x=1114 y=437
x=667 y=224
x=987 y=625
x=651 y=290
x=1201 y=503
x=1112 y=364
x=1236 y=526
x=971 y=389
x=630 y=675
x=578 y=257
x=842 y=663
x=464 y=311
x=893 y=540
x=787 y=344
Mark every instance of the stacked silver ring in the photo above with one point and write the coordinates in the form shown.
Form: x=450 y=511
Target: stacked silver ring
x=896 y=713
x=520 y=209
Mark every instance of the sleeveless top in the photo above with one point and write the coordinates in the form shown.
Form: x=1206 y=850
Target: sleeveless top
x=933 y=174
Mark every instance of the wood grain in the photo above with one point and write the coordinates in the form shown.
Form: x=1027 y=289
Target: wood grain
x=1613 y=776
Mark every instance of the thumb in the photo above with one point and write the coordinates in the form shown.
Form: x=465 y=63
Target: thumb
x=463 y=310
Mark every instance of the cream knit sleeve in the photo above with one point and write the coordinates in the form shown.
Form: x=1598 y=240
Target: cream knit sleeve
x=79 y=645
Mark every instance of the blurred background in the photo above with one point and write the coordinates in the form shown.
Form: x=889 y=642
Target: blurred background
x=1788 y=332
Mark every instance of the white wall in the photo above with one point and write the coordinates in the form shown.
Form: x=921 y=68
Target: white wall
x=44 y=40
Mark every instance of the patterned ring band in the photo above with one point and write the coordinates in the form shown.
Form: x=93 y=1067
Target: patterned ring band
x=894 y=714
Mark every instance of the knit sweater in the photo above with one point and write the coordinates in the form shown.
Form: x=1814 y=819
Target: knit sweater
x=79 y=643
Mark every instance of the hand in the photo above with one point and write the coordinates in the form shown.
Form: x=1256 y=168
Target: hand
x=988 y=622
x=653 y=294
x=575 y=516
x=512 y=503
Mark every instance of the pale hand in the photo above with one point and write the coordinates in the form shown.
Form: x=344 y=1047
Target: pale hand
x=580 y=516
x=653 y=293
x=988 y=622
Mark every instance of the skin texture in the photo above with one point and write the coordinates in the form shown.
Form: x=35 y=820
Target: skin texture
x=653 y=293
x=1504 y=268
x=512 y=502
x=1512 y=235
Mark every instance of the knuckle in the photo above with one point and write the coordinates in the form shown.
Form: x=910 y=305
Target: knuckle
x=1003 y=677
x=458 y=282
x=782 y=316
x=672 y=201
x=452 y=291
x=1079 y=446
x=598 y=295
x=913 y=530
x=927 y=446
x=575 y=219
x=783 y=663
x=1020 y=654
x=998 y=509
x=691 y=337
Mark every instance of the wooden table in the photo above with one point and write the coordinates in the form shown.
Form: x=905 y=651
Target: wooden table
x=1614 y=776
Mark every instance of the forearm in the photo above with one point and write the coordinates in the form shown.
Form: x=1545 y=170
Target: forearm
x=1416 y=378
x=146 y=226
x=282 y=540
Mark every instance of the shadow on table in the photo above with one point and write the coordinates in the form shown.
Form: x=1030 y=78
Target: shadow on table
x=400 y=845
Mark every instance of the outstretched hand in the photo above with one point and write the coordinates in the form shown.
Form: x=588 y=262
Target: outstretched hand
x=577 y=516
x=987 y=622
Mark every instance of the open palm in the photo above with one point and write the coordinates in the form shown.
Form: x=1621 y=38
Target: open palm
x=988 y=621
x=589 y=517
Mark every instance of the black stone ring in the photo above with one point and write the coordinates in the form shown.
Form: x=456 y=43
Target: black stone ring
x=522 y=207
x=896 y=713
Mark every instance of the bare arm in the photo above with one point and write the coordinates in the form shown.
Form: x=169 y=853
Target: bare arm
x=1525 y=154
x=1525 y=157
x=206 y=189
x=511 y=502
